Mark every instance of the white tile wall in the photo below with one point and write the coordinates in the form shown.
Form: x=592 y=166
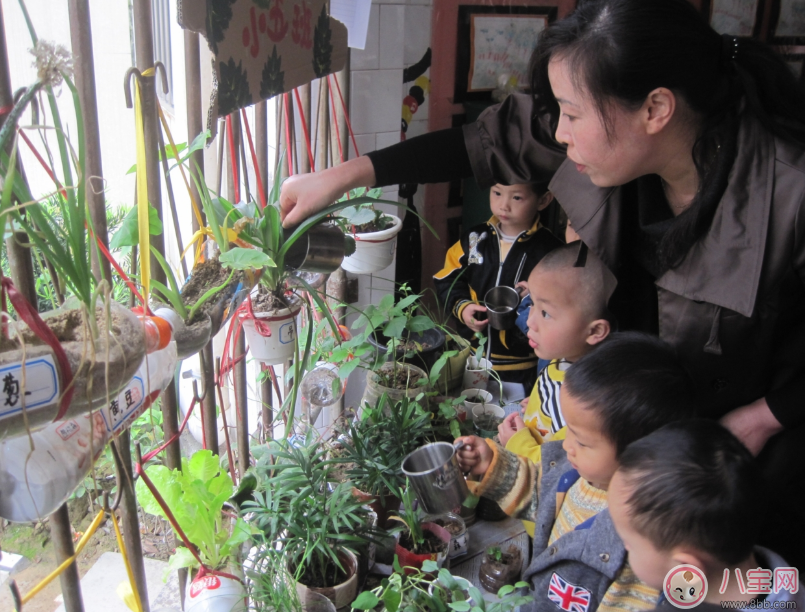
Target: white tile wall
x=369 y=57
x=365 y=142
x=386 y=139
x=417 y=32
x=375 y=100
x=392 y=35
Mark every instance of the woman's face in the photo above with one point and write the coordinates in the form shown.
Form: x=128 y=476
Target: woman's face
x=608 y=160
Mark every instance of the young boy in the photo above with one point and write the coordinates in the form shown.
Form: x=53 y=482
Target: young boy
x=489 y=255
x=629 y=386
x=691 y=494
x=568 y=318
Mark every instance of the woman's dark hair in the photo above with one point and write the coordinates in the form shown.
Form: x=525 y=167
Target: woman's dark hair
x=694 y=484
x=635 y=383
x=621 y=50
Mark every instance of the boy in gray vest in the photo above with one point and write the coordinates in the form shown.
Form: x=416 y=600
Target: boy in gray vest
x=630 y=385
x=688 y=501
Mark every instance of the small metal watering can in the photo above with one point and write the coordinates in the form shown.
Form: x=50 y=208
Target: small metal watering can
x=434 y=473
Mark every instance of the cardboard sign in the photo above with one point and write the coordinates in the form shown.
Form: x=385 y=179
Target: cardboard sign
x=262 y=48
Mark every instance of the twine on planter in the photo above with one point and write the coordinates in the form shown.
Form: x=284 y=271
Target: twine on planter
x=32 y=319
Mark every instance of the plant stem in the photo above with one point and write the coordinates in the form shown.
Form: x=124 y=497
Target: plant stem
x=10 y=124
x=207 y=296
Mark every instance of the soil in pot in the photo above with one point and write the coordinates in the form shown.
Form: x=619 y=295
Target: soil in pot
x=495 y=574
x=432 y=544
x=399 y=378
x=267 y=302
x=373 y=226
x=208 y=275
x=67 y=326
x=488 y=422
x=333 y=576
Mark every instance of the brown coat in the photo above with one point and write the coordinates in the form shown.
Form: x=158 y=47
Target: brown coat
x=735 y=307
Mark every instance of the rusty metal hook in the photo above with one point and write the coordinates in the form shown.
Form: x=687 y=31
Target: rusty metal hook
x=119 y=469
x=159 y=68
x=127 y=84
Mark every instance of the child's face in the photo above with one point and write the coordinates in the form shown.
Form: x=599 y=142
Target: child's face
x=588 y=450
x=648 y=562
x=515 y=206
x=558 y=327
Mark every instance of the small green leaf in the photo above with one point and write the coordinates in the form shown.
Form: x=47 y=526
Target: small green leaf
x=429 y=566
x=239 y=258
x=420 y=323
x=366 y=601
x=129 y=232
x=392 y=600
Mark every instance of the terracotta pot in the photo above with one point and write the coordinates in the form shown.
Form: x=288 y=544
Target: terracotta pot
x=410 y=559
x=342 y=595
x=496 y=574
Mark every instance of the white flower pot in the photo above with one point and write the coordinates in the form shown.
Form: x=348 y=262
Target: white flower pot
x=476 y=375
x=211 y=593
x=476 y=398
x=278 y=347
x=373 y=251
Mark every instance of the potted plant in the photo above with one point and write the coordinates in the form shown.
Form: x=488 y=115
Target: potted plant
x=417 y=591
x=300 y=508
x=459 y=536
x=196 y=495
x=375 y=232
x=373 y=447
x=419 y=541
x=87 y=350
x=499 y=569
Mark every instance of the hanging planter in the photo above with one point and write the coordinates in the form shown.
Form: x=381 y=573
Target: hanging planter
x=37 y=478
x=98 y=368
x=214 y=593
x=270 y=329
x=374 y=251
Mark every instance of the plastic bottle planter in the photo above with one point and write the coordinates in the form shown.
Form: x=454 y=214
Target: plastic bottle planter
x=410 y=559
x=475 y=398
x=342 y=595
x=278 y=347
x=452 y=374
x=476 y=374
x=487 y=418
x=35 y=483
x=374 y=251
x=494 y=575
x=459 y=536
x=190 y=339
x=212 y=593
x=114 y=363
x=408 y=374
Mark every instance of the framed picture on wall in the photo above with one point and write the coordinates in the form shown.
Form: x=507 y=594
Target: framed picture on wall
x=734 y=17
x=787 y=22
x=493 y=41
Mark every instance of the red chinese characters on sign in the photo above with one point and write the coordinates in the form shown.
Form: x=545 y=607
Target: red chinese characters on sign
x=301 y=34
x=272 y=23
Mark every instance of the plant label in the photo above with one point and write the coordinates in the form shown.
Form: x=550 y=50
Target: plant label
x=287 y=333
x=125 y=405
x=458 y=546
x=37 y=386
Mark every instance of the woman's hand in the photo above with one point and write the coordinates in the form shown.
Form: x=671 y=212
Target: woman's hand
x=305 y=194
x=752 y=424
x=468 y=316
x=475 y=456
x=510 y=426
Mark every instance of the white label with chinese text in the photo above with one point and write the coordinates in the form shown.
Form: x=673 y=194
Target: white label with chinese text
x=125 y=405
x=41 y=385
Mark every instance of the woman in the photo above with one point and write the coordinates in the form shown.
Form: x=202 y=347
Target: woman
x=679 y=156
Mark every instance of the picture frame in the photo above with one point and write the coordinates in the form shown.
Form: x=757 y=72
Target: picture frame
x=504 y=46
x=734 y=17
x=787 y=23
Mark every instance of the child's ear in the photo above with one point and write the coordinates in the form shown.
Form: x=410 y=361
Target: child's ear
x=685 y=555
x=544 y=200
x=597 y=331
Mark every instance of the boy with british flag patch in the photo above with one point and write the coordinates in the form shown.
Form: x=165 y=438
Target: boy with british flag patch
x=630 y=385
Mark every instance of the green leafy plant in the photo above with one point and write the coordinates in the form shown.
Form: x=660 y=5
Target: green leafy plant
x=414 y=590
x=376 y=443
x=495 y=553
x=196 y=496
x=363 y=217
x=411 y=520
x=301 y=508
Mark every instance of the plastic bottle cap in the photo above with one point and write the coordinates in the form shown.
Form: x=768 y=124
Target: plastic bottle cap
x=165 y=331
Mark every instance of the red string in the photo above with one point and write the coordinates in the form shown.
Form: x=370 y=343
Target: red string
x=120 y=271
x=42 y=162
x=288 y=141
x=5 y=110
x=151 y=454
x=335 y=121
x=257 y=168
x=31 y=317
x=233 y=157
x=346 y=116
x=304 y=130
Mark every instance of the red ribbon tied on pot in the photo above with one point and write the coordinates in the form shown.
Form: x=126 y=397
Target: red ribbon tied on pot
x=32 y=319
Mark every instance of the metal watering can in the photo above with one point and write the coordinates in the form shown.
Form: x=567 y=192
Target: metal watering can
x=437 y=480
